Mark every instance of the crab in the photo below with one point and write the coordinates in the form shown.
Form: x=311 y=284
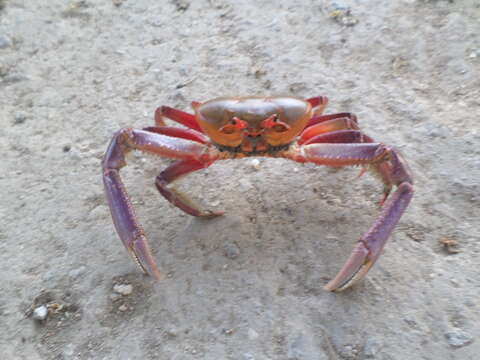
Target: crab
x=238 y=127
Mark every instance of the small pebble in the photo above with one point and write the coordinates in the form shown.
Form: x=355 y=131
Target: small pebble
x=343 y=16
x=123 y=289
x=228 y=331
x=231 y=250
x=349 y=352
x=40 y=313
x=123 y=307
x=20 y=117
x=215 y=203
x=454 y=283
x=458 y=338
x=171 y=333
x=181 y=5
x=115 y=297
x=255 y=163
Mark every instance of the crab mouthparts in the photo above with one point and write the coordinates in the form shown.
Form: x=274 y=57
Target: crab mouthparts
x=253 y=141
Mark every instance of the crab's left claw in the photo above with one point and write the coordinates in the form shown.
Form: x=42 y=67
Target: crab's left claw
x=124 y=218
x=369 y=247
x=142 y=255
x=125 y=221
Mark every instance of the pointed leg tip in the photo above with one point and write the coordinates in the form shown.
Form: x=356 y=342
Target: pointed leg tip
x=159 y=121
x=141 y=254
x=209 y=214
x=334 y=285
x=330 y=287
x=157 y=275
x=152 y=270
x=362 y=172
x=353 y=271
x=341 y=285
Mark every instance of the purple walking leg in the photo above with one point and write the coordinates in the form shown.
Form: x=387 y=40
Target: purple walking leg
x=393 y=171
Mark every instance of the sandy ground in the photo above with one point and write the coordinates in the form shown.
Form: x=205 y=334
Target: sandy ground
x=247 y=285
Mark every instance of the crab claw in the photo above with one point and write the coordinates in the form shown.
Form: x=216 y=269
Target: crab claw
x=354 y=269
x=141 y=253
x=126 y=224
x=369 y=248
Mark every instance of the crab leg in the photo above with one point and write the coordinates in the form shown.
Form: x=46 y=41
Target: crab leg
x=124 y=218
x=319 y=103
x=393 y=171
x=339 y=154
x=318 y=119
x=343 y=123
x=369 y=247
x=173 y=172
x=340 y=136
x=179 y=116
x=188 y=134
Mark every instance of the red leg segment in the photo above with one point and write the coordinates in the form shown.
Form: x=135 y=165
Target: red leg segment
x=319 y=103
x=339 y=154
x=128 y=228
x=340 y=136
x=179 y=116
x=343 y=123
x=174 y=172
x=393 y=171
x=188 y=134
x=318 y=119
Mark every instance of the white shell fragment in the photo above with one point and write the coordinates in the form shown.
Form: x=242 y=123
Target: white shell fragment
x=40 y=313
x=255 y=163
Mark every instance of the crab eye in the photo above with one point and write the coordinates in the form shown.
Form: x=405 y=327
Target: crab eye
x=228 y=129
x=235 y=124
x=273 y=122
x=280 y=127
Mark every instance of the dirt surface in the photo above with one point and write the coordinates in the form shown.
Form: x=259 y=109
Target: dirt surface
x=248 y=285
